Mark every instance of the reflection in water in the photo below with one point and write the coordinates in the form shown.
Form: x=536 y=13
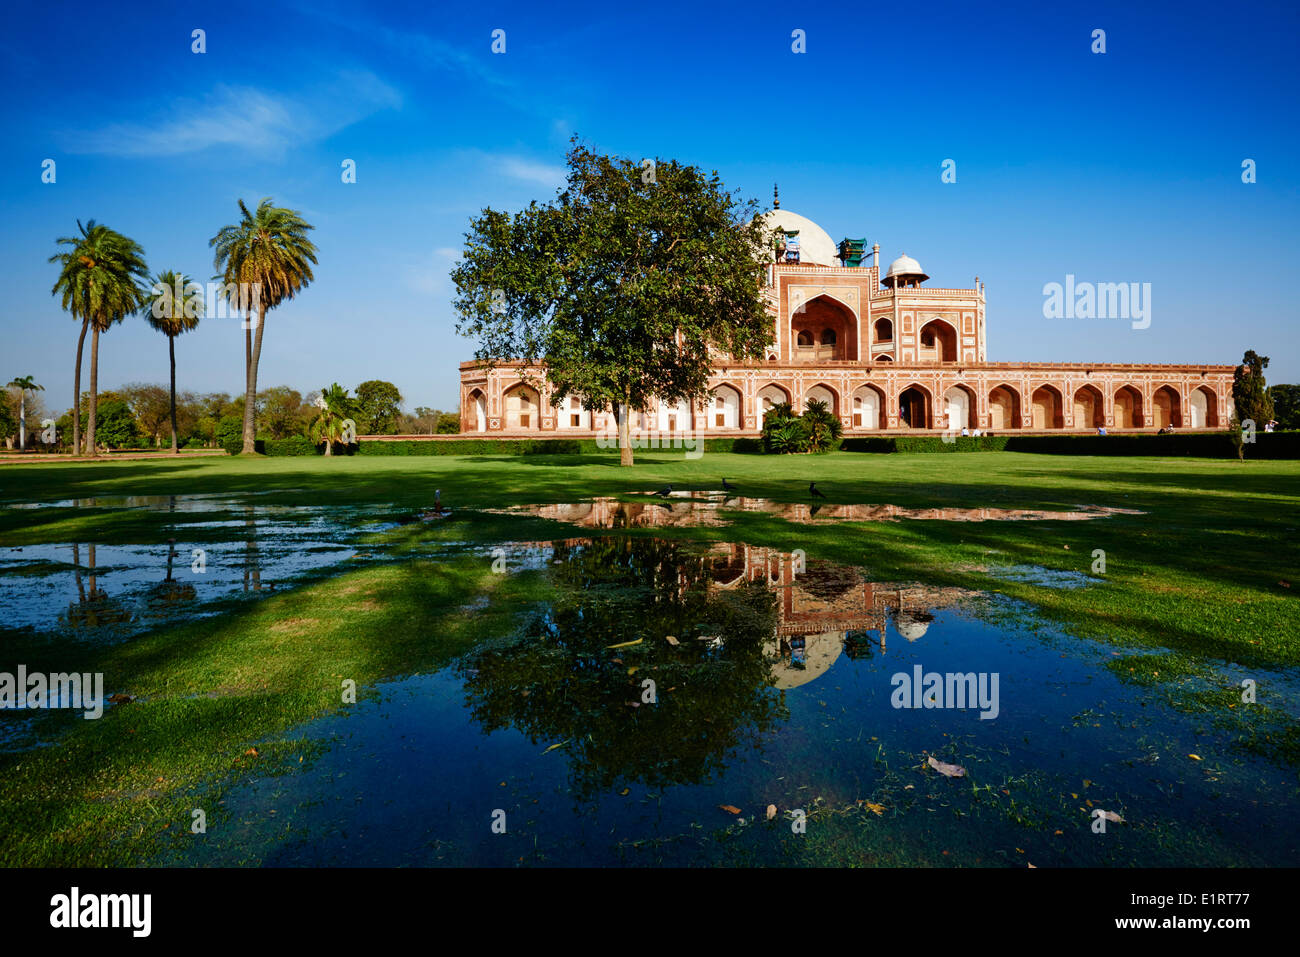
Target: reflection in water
x=746 y=623
x=681 y=509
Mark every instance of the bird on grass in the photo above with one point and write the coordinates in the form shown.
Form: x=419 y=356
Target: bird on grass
x=665 y=491
x=727 y=486
x=812 y=490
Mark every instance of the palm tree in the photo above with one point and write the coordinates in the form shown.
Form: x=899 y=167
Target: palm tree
x=24 y=385
x=268 y=249
x=335 y=408
x=175 y=311
x=99 y=283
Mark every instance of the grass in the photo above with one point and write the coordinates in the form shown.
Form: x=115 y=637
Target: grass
x=1204 y=576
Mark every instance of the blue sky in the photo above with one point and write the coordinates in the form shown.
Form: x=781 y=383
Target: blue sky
x=1120 y=167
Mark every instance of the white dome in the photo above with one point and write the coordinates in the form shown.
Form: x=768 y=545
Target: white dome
x=905 y=265
x=815 y=245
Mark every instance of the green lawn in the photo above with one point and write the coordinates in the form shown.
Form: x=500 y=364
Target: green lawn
x=1205 y=575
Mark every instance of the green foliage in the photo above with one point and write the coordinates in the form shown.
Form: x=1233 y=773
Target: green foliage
x=329 y=426
x=100 y=276
x=1286 y=405
x=281 y=413
x=785 y=432
x=117 y=427
x=621 y=286
x=1277 y=445
x=176 y=303
x=448 y=423
x=229 y=428
x=1250 y=394
x=378 y=407
x=8 y=422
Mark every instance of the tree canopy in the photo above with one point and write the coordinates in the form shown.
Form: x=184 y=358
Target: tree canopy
x=623 y=288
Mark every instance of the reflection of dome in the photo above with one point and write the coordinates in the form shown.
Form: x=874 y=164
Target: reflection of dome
x=904 y=267
x=819 y=653
x=815 y=245
x=912 y=624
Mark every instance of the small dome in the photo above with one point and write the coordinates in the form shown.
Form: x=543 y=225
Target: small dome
x=912 y=625
x=905 y=267
x=815 y=245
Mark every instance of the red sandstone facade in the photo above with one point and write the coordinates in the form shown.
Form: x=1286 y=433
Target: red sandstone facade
x=888 y=356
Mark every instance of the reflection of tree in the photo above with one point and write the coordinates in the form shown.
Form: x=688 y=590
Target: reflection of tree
x=252 y=556
x=167 y=597
x=93 y=607
x=557 y=679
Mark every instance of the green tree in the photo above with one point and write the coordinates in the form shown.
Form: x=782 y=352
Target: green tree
x=24 y=385
x=821 y=428
x=176 y=309
x=117 y=426
x=99 y=281
x=1250 y=392
x=282 y=413
x=1286 y=405
x=336 y=407
x=621 y=287
x=379 y=407
x=151 y=406
x=448 y=423
x=269 y=249
x=783 y=431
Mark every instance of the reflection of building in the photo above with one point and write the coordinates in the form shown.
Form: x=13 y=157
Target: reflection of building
x=821 y=606
x=886 y=353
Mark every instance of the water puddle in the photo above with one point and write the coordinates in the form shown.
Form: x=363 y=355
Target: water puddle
x=688 y=509
x=679 y=703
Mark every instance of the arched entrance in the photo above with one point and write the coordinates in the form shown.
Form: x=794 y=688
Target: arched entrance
x=572 y=415
x=1128 y=408
x=937 y=342
x=724 y=408
x=958 y=404
x=523 y=409
x=1004 y=408
x=884 y=330
x=673 y=419
x=867 y=403
x=823 y=329
x=477 y=411
x=1167 y=406
x=914 y=408
x=1089 y=408
x=1204 y=408
x=771 y=395
x=823 y=393
x=1046 y=412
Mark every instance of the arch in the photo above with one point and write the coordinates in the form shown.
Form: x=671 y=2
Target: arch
x=573 y=414
x=826 y=394
x=1128 y=408
x=478 y=410
x=956 y=411
x=812 y=321
x=937 y=341
x=884 y=357
x=866 y=405
x=883 y=330
x=770 y=395
x=723 y=408
x=1089 y=408
x=914 y=407
x=1167 y=407
x=1046 y=408
x=1004 y=407
x=673 y=420
x=523 y=408
x=1204 y=407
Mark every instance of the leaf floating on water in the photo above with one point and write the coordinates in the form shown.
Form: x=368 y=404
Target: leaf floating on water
x=624 y=792
x=1195 y=757
x=877 y=809
x=554 y=746
x=1109 y=815
x=729 y=808
x=671 y=640
x=771 y=811
x=634 y=669
x=625 y=644
x=946 y=769
x=633 y=704
x=252 y=751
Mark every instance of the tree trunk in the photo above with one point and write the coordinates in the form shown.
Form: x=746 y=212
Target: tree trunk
x=250 y=396
x=171 y=350
x=76 y=389
x=22 y=421
x=625 y=433
x=94 y=392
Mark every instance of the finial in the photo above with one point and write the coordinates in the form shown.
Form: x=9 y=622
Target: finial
x=776 y=199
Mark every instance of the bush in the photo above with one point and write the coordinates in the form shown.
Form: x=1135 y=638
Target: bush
x=1267 y=445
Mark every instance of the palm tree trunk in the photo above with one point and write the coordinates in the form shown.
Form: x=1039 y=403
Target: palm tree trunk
x=94 y=392
x=171 y=351
x=22 y=421
x=76 y=390
x=250 y=396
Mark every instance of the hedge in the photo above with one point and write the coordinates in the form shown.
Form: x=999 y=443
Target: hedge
x=1267 y=445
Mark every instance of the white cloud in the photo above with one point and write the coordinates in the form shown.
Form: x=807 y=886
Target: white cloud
x=246 y=118
x=531 y=171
